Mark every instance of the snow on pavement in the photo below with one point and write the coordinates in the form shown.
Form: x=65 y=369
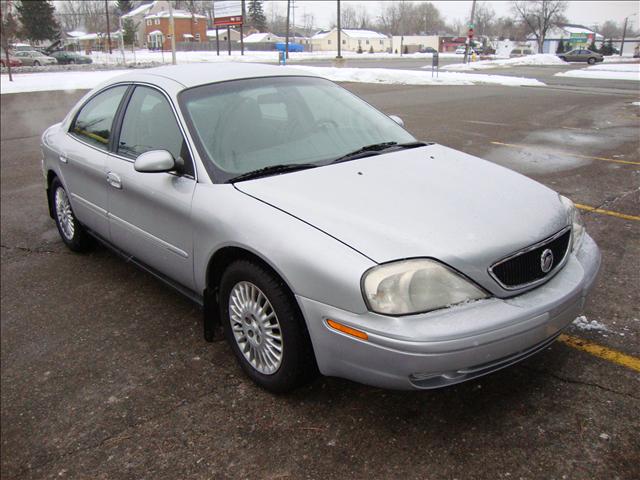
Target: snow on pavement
x=33 y=82
x=37 y=82
x=414 y=77
x=538 y=59
x=585 y=325
x=607 y=71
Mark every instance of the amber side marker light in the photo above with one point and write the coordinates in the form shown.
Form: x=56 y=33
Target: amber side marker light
x=348 y=330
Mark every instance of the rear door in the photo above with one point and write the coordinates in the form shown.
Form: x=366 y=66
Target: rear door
x=150 y=213
x=83 y=157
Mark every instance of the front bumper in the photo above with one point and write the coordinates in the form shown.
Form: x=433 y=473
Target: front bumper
x=451 y=345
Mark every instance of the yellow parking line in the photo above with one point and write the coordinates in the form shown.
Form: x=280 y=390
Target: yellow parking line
x=605 y=353
x=607 y=212
x=602 y=159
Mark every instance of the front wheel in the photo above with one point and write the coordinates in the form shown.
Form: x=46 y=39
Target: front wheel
x=264 y=328
x=564 y=59
x=71 y=231
x=591 y=61
x=36 y=63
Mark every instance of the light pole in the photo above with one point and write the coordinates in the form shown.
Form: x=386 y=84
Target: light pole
x=624 y=31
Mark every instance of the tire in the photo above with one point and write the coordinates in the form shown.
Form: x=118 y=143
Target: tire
x=591 y=61
x=262 y=307
x=36 y=63
x=564 y=59
x=71 y=231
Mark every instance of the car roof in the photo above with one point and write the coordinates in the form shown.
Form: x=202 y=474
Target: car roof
x=191 y=75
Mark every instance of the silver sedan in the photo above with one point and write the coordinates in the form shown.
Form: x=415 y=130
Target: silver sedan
x=314 y=229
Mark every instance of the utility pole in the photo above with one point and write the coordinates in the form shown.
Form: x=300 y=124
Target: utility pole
x=470 y=32
x=106 y=9
x=339 y=36
x=286 y=45
x=624 y=32
x=172 y=32
x=121 y=39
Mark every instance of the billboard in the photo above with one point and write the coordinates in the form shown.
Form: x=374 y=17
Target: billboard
x=227 y=13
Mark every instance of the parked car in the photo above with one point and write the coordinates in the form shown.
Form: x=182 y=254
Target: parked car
x=13 y=61
x=33 y=58
x=582 y=55
x=520 y=52
x=460 y=50
x=65 y=58
x=428 y=50
x=315 y=229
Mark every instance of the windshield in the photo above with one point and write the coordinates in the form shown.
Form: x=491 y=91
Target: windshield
x=246 y=125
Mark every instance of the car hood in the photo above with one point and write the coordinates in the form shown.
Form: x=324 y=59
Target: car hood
x=430 y=201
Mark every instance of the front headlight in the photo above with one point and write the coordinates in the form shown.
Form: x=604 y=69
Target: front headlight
x=413 y=286
x=575 y=219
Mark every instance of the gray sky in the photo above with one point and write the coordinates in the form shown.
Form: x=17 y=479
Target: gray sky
x=583 y=12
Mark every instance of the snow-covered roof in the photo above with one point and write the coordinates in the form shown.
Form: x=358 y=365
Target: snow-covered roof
x=212 y=33
x=353 y=33
x=260 y=37
x=156 y=32
x=363 y=33
x=176 y=14
x=139 y=10
x=75 y=34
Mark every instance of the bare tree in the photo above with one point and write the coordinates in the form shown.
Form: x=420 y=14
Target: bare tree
x=610 y=29
x=8 y=29
x=484 y=19
x=85 y=15
x=540 y=16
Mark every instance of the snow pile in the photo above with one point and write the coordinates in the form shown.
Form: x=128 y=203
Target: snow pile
x=619 y=59
x=636 y=103
x=538 y=59
x=37 y=82
x=413 y=77
x=607 y=71
x=585 y=325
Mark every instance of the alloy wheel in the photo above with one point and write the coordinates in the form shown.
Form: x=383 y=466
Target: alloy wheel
x=64 y=214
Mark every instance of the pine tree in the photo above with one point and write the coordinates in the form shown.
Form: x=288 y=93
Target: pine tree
x=593 y=46
x=38 y=22
x=124 y=6
x=129 y=31
x=256 y=16
x=560 y=48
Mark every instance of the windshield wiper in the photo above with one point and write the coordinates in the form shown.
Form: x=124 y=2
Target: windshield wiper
x=377 y=149
x=271 y=170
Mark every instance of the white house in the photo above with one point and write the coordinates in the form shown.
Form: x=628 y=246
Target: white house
x=234 y=34
x=352 y=40
x=414 y=43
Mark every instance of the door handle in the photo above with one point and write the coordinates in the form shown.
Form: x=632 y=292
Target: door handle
x=63 y=159
x=114 y=180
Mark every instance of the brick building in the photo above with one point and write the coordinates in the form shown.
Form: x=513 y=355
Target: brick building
x=188 y=28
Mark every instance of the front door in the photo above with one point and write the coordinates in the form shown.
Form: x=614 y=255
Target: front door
x=83 y=158
x=150 y=213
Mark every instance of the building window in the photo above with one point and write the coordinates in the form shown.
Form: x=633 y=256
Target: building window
x=198 y=37
x=344 y=42
x=367 y=42
x=328 y=42
x=149 y=22
x=157 y=21
x=381 y=43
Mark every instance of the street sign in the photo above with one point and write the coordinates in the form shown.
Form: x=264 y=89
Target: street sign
x=227 y=13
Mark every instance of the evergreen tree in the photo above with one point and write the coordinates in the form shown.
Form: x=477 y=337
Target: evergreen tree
x=593 y=47
x=560 y=48
x=256 y=16
x=129 y=31
x=124 y=6
x=38 y=22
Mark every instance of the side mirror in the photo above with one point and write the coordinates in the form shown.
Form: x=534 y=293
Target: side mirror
x=397 y=119
x=155 y=161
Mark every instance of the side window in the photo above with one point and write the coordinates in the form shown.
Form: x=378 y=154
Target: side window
x=150 y=124
x=93 y=122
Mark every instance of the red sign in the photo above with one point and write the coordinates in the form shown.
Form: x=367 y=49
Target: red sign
x=224 y=21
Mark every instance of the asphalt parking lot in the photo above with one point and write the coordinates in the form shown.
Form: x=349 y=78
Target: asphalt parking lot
x=105 y=373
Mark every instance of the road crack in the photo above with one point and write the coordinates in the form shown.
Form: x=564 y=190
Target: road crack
x=579 y=382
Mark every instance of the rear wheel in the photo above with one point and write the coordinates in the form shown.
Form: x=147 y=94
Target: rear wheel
x=264 y=327
x=71 y=231
x=591 y=61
